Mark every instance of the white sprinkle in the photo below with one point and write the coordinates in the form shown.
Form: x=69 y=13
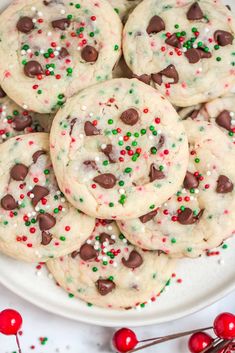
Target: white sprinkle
x=105 y=243
x=103 y=146
x=151 y=137
x=104 y=250
x=184 y=50
x=42 y=51
x=194 y=46
x=34 y=20
x=63 y=209
x=50 y=69
x=99 y=257
x=49 y=34
x=121 y=191
x=113 y=236
x=62 y=199
x=33 y=213
x=96 y=247
x=56 y=53
x=29 y=51
x=4 y=120
x=97 y=159
x=110 y=227
x=120 y=138
x=206 y=29
x=105 y=258
x=37 y=208
x=88 y=241
x=114 y=264
x=221 y=262
x=159 y=131
x=33 y=8
x=50 y=276
x=184 y=191
x=83 y=108
x=58 y=48
x=38 y=273
x=208 y=173
x=200 y=69
x=78 y=48
x=196 y=191
x=81 y=136
x=124 y=240
x=231 y=114
x=40 y=14
x=30 y=187
x=91 y=114
x=25 y=106
x=23 y=52
x=62 y=12
x=4 y=136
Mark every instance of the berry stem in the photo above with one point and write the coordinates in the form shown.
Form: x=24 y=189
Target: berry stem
x=18 y=343
x=169 y=338
x=218 y=347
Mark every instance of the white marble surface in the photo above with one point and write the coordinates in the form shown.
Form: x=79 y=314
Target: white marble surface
x=65 y=336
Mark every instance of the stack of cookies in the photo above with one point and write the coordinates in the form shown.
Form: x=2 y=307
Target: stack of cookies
x=103 y=178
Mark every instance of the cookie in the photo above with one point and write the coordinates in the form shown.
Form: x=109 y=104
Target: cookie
x=36 y=223
x=186 y=49
x=124 y=7
x=51 y=49
x=16 y=121
x=119 y=149
x=109 y=272
x=201 y=215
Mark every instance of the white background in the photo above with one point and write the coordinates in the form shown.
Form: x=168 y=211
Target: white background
x=65 y=336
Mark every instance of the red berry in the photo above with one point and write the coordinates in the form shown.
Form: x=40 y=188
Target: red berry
x=199 y=341
x=224 y=326
x=10 y=322
x=124 y=340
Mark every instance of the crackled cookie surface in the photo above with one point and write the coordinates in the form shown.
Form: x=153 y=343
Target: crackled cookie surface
x=16 y=121
x=108 y=271
x=185 y=49
x=118 y=149
x=36 y=223
x=201 y=214
x=51 y=49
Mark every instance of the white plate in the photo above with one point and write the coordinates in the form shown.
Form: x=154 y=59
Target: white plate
x=205 y=281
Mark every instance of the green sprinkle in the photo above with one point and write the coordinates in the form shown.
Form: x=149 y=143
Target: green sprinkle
x=105 y=263
x=189 y=249
x=62 y=238
x=91 y=34
x=111 y=204
x=110 y=121
x=134 y=143
x=128 y=170
x=46 y=171
x=199 y=44
x=197 y=160
x=176 y=26
x=192 y=191
x=194 y=29
x=142 y=305
x=39 y=91
x=218 y=58
x=182 y=208
x=153 y=150
x=94 y=269
x=224 y=246
x=136 y=134
x=120 y=143
x=24 y=62
x=89 y=304
x=116 y=47
x=105 y=163
x=111 y=278
x=121 y=183
x=77 y=6
x=69 y=71
x=143 y=131
x=173 y=240
x=56 y=210
x=121 y=236
x=128 y=134
x=69 y=17
x=71 y=295
x=152 y=207
x=216 y=47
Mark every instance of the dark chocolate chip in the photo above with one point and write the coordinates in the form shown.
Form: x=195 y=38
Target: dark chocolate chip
x=8 y=203
x=25 y=24
x=204 y=54
x=194 y=12
x=224 y=120
x=39 y=192
x=22 y=122
x=74 y=254
x=105 y=286
x=173 y=41
x=143 y=78
x=72 y=123
x=161 y=142
x=63 y=53
x=190 y=181
x=106 y=237
x=130 y=116
x=156 y=24
x=157 y=78
x=2 y=93
x=90 y=129
x=89 y=54
x=223 y=38
x=148 y=216
x=87 y=252
x=62 y=23
x=106 y=180
x=19 y=172
x=224 y=185
x=193 y=55
x=135 y=260
x=46 y=221
x=186 y=217
x=91 y=164
x=33 y=68
x=46 y=238
x=155 y=174
x=170 y=72
x=37 y=154
x=108 y=151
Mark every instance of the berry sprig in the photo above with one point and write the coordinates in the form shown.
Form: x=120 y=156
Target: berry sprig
x=10 y=324
x=126 y=341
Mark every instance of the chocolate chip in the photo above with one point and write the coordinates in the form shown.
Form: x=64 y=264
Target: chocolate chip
x=106 y=237
x=135 y=260
x=46 y=221
x=37 y=154
x=161 y=142
x=186 y=217
x=108 y=151
x=89 y=54
x=157 y=78
x=173 y=41
x=130 y=116
x=39 y=192
x=46 y=238
x=91 y=164
x=193 y=114
x=90 y=129
x=2 y=93
x=156 y=24
x=190 y=181
x=105 y=286
x=148 y=216
x=229 y=7
x=170 y=72
x=19 y=172
x=8 y=203
x=25 y=24
x=155 y=174
x=62 y=23
x=74 y=254
x=87 y=252
x=193 y=55
x=21 y=122
x=53 y=2
x=204 y=54
x=224 y=120
x=224 y=185
x=223 y=38
x=194 y=12
x=143 y=78
x=63 y=53
x=33 y=68
x=106 y=180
